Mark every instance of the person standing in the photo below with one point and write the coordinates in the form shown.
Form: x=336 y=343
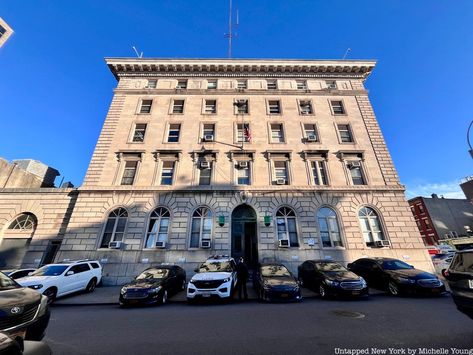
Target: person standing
x=242 y=278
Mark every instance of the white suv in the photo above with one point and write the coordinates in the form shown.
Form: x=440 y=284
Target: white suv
x=216 y=277
x=56 y=280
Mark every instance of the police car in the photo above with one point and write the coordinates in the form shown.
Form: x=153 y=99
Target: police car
x=216 y=277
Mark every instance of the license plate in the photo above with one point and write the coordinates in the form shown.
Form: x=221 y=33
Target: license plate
x=435 y=290
x=470 y=283
x=133 y=301
x=206 y=295
x=284 y=295
x=355 y=293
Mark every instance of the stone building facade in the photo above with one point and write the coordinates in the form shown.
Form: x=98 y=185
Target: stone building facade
x=273 y=160
x=5 y=32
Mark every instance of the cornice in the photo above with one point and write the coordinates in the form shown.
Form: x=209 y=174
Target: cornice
x=248 y=92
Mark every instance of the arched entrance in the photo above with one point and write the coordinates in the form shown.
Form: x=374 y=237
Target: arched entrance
x=244 y=235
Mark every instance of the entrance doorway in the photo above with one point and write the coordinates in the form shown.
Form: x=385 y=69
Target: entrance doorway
x=244 y=235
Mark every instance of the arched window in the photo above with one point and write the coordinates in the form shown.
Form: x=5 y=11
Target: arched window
x=201 y=226
x=24 y=222
x=286 y=226
x=158 y=227
x=115 y=227
x=329 y=228
x=370 y=225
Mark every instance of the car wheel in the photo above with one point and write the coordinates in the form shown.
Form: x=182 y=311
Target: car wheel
x=322 y=291
x=393 y=288
x=50 y=293
x=164 y=297
x=91 y=285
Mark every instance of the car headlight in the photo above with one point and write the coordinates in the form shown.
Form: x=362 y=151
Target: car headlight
x=332 y=283
x=155 y=290
x=363 y=282
x=191 y=281
x=43 y=306
x=36 y=287
x=405 y=280
x=226 y=280
x=123 y=290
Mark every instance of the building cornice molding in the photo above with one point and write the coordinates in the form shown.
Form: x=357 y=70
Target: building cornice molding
x=248 y=92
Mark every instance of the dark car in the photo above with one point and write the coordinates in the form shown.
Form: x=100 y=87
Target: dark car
x=396 y=277
x=153 y=285
x=18 y=273
x=460 y=280
x=274 y=282
x=330 y=278
x=23 y=311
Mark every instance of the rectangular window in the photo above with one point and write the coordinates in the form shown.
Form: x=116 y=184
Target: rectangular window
x=301 y=85
x=420 y=207
x=356 y=173
x=331 y=84
x=178 y=106
x=277 y=133
x=146 y=106
x=310 y=131
x=280 y=173
x=242 y=84
x=427 y=223
x=167 y=173
x=243 y=173
x=305 y=107
x=345 y=133
x=205 y=176
x=272 y=84
x=208 y=132
x=210 y=106
x=274 y=107
x=211 y=84
x=2 y=31
x=181 y=84
x=151 y=84
x=318 y=172
x=337 y=107
x=242 y=107
x=129 y=172
x=243 y=132
x=419 y=225
x=174 y=133
x=139 y=133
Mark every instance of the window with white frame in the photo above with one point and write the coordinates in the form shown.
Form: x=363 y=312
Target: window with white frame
x=277 y=133
x=205 y=171
x=146 y=106
x=181 y=84
x=201 y=226
x=139 y=133
x=305 y=107
x=310 y=131
x=174 y=133
x=178 y=106
x=337 y=107
x=331 y=84
x=114 y=227
x=24 y=222
x=243 y=172
x=158 y=227
x=427 y=223
x=208 y=132
x=152 y=83
x=356 y=172
x=167 y=172
x=281 y=172
x=272 y=84
x=129 y=172
x=211 y=84
x=242 y=84
x=286 y=226
x=241 y=107
x=301 y=85
x=345 y=134
x=329 y=228
x=210 y=107
x=243 y=133
x=370 y=225
x=274 y=107
x=319 y=173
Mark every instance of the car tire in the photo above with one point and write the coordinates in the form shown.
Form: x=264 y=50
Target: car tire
x=164 y=297
x=50 y=293
x=393 y=288
x=322 y=291
x=91 y=286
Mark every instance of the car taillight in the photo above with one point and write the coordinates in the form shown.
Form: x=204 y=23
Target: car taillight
x=446 y=273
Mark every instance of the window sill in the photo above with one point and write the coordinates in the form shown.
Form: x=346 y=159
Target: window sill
x=143 y=113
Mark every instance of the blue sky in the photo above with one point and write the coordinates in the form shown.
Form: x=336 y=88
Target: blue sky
x=55 y=87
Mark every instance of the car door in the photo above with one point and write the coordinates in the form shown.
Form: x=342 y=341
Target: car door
x=78 y=281
x=376 y=275
x=317 y=277
x=460 y=273
x=171 y=281
x=364 y=268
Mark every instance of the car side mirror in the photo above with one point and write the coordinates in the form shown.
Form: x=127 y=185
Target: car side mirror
x=349 y=265
x=69 y=273
x=411 y=266
x=446 y=274
x=196 y=269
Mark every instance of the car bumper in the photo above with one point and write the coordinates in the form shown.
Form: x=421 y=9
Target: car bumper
x=419 y=290
x=464 y=303
x=346 y=293
x=146 y=298
x=281 y=296
x=37 y=329
x=223 y=291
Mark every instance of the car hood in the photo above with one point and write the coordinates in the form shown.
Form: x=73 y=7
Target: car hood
x=279 y=281
x=210 y=276
x=34 y=280
x=341 y=275
x=18 y=297
x=412 y=274
x=144 y=284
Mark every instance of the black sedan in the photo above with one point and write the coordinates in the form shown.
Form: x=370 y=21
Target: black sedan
x=274 y=282
x=329 y=278
x=153 y=285
x=396 y=277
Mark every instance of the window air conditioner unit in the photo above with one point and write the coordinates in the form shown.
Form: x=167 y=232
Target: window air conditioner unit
x=281 y=182
x=115 y=245
x=382 y=243
x=205 y=244
x=179 y=87
x=242 y=164
x=284 y=243
x=311 y=138
x=305 y=112
x=354 y=164
x=161 y=245
x=208 y=138
x=205 y=164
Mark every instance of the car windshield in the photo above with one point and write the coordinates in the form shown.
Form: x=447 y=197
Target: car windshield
x=441 y=256
x=330 y=267
x=50 y=270
x=274 y=271
x=216 y=266
x=395 y=265
x=6 y=283
x=463 y=262
x=153 y=274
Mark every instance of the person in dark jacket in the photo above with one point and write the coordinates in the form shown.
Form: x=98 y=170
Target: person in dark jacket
x=242 y=277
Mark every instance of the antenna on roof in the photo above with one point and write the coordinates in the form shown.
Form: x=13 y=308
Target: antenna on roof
x=230 y=35
x=139 y=55
x=346 y=53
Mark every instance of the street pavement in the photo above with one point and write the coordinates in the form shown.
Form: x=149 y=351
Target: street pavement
x=313 y=326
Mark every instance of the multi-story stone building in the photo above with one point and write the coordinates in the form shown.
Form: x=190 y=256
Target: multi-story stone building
x=267 y=159
x=5 y=32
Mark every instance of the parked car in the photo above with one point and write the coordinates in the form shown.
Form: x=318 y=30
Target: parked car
x=56 y=280
x=153 y=285
x=23 y=312
x=330 y=278
x=396 y=277
x=216 y=277
x=274 y=282
x=442 y=262
x=460 y=279
x=18 y=273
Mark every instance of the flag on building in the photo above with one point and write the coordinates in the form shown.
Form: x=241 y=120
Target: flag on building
x=247 y=132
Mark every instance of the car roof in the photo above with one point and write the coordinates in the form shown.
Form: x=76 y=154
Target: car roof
x=164 y=266
x=465 y=251
x=219 y=258
x=272 y=264
x=323 y=261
